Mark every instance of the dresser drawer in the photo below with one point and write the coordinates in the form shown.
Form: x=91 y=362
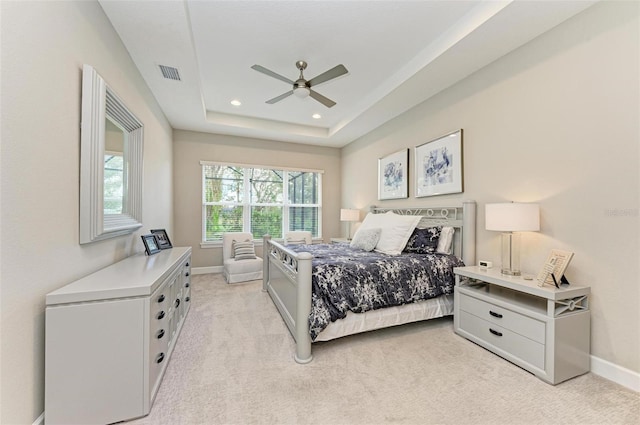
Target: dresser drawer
x=503 y=339
x=507 y=319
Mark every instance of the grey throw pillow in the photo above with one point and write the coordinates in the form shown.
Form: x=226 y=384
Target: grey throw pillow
x=244 y=250
x=366 y=239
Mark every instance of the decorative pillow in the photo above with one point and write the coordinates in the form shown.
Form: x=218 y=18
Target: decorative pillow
x=244 y=250
x=395 y=230
x=445 y=241
x=296 y=241
x=366 y=239
x=424 y=241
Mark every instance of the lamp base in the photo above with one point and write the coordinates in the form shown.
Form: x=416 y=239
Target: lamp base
x=510 y=254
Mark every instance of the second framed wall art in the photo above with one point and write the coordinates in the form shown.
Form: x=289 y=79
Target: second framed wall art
x=439 y=166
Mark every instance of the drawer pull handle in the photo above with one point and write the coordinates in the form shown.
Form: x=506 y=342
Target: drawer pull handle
x=161 y=315
x=186 y=285
x=160 y=358
x=177 y=303
x=187 y=274
x=161 y=298
x=494 y=314
x=187 y=299
x=495 y=332
x=160 y=333
x=186 y=265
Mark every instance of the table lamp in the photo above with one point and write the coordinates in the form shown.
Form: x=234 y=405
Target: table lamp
x=349 y=215
x=509 y=218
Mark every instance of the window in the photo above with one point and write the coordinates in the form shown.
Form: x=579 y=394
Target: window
x=259 y=200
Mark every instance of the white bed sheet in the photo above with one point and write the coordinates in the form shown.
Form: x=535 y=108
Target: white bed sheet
x=386 y=317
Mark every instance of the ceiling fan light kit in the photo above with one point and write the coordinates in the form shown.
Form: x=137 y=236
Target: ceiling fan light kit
x=302 y=87
x=301 y=92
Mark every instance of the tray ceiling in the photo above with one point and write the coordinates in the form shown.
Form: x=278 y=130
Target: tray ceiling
x=398 y=54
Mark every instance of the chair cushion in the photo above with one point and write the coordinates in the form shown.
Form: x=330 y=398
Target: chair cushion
x=233 y=266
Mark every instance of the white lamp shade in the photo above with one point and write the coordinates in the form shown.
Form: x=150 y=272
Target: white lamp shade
x=349 y=215
x=512 y=217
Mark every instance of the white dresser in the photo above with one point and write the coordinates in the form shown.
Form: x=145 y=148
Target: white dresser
x=109 y=336
x=544 y=330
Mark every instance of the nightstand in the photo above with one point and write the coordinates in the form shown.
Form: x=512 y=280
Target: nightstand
x=340 y=240
x=544 y=330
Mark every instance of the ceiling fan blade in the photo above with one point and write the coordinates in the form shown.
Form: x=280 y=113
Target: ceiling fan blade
x=334 y=72
x=320 y=98
x=279 y=98
x=271 y=73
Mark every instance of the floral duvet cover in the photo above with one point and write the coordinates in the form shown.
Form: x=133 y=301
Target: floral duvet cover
x=346 y=279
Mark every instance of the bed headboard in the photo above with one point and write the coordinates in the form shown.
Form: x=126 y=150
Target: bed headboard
x=462 y=219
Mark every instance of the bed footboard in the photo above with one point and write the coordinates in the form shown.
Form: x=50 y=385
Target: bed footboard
x=287 y=279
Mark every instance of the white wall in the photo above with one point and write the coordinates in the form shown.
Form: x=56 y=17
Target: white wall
x=555 y=122
x=44 y=45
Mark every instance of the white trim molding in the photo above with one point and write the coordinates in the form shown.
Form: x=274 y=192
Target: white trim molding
x=207 y=270
x=618 y=374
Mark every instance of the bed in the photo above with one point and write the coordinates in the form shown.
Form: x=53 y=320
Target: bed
x=309 y=283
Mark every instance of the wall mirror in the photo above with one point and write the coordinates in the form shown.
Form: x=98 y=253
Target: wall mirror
x=110 y=163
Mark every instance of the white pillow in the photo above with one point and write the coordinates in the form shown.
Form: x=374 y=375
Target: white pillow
x=395 y=230
x=445 y=241
x=366 y=239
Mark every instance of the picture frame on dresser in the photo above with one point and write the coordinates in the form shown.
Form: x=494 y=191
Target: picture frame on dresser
x=151 y=245
x=439 y=166
x=162 y=237
x=393 y=176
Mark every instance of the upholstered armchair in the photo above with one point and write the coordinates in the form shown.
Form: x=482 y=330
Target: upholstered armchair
x=240 y=262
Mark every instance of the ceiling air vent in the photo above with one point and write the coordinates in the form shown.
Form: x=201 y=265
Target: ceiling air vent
x=170 y=72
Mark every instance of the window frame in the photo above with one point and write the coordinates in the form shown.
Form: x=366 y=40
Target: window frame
x=246 y=203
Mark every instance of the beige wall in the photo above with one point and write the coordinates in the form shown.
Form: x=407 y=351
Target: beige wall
x=44 y=45
x=555 y=122
x=189 y=148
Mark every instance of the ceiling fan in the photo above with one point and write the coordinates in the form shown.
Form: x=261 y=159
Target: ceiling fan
x=302 y=87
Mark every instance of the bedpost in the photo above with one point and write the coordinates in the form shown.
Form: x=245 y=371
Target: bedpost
x=469 y=232
x=265 y=261
x=303 y=294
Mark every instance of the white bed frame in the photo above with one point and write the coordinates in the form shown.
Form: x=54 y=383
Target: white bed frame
x=287 y=279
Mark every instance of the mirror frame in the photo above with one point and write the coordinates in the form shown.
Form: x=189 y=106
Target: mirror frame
x=98 y=102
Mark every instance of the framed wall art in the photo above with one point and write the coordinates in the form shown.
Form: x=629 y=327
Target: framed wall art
x=393 y=175
x=439 y=166
x=162 y=238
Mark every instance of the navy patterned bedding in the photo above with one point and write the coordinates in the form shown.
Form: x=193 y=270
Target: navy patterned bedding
x=346 y=279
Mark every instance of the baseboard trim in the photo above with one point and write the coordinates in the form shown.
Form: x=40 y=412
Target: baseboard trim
x=40 y=420
x=207 y=270
x=618 y=374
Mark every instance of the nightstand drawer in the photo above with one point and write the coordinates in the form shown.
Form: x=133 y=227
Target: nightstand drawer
x=518 y=323
x=503 y=339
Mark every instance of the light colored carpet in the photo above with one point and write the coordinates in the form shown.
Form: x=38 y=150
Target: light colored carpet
x=233 y=364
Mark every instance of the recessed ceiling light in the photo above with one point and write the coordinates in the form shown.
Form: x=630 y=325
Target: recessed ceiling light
x=316 y=116
x=236 y=102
